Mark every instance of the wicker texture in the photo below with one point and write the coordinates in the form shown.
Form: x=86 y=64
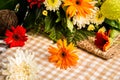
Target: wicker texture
x=89 y=46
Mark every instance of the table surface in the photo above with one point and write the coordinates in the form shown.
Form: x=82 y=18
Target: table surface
x=89 y=67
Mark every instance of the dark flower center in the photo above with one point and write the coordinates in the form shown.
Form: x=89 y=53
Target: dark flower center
x=63 y=54
x=53 y=1
x=16 y=37
x=78 y=2
x=100 y=15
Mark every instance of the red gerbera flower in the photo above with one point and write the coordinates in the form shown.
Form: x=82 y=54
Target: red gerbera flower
x=102 y=41
x=35 y=2
x=16 y=36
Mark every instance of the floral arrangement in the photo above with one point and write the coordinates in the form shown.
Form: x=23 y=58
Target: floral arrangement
x=63 y=21
x=74 y=20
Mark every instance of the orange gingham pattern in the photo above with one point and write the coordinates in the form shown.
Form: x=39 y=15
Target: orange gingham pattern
x=89 y=67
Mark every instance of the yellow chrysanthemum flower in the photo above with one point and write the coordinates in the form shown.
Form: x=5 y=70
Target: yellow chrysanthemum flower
x=52 y=5
x=99 y=18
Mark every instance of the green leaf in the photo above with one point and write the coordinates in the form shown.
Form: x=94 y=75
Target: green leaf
x=55 y=34
x=114 y=33
x=69 y=25
x=59 y=18
x=29 y=22
x=48 y=23
x=113 y=23
x=8 y=4
x=78 y=35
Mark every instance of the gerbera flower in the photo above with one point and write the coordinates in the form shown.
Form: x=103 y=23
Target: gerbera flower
x=52 y=5
x=22 y=66
x=102 y=41
x=16 y=36
x=63 y=55
x=35 y=2
x=82 y=21
x=77 y=7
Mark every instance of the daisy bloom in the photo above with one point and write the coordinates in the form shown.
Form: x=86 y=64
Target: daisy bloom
x=102 y=41
x=16 y=36
x=63 y=55
x=52 y=5
x=77 y=7
x=98 y=18
x=21 y=66
x=35 y=2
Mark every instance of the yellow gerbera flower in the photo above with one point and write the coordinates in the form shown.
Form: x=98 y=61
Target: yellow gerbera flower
x=64 y=55
x=77 y=7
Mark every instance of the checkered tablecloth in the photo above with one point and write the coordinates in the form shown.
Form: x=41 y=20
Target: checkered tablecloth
x=89 y=67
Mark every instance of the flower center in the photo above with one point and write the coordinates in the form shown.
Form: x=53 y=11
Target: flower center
x=53 y=1
x=63 y=54
x=16 y=37
x=78 y=2
x=25 y=68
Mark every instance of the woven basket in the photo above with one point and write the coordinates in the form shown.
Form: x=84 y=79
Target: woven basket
x=89 y=46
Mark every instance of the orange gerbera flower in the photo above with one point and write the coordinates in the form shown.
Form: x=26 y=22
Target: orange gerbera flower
x=77 y=7
x=64 y=55
x=102 y=41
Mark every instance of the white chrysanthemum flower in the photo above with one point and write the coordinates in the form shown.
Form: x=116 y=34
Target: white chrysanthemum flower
x=52 y=5
x=21 y=67
x=81 y=22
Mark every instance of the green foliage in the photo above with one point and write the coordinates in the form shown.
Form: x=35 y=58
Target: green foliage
x=113 y=23
x=78 y=35
x=69 y=25
x=114 y=33
x=8 y=4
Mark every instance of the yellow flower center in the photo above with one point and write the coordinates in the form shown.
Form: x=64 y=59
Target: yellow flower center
x=25 y=68
x=52 y=2
x=45 y=12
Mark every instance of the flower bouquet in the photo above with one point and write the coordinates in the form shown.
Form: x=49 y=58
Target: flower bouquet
x=91 y=25
x=73 y=20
